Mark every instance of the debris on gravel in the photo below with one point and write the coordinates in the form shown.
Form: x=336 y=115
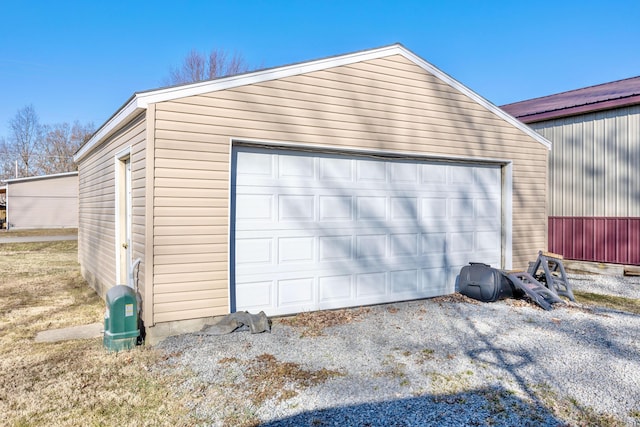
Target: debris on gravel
x=446 y=361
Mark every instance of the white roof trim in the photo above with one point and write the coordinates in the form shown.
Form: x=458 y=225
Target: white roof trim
x=34 y=178
x=141 y=100
x=479 y=99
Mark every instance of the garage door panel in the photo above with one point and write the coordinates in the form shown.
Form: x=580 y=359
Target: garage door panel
x=296 y=208
x=487 y=208
x=254 y=164
x=487 y=241
x=256 y=207
x=255 y=295
x=403 y=208
x=460 y=242
x=404 y=282
x=371 y=285
x=335 y=208
x=371 y=207
x=403 y=245
x=296 y=166
x=371 y=246
x=334 y=289
x=296 y=292
x=403 y=173
x=296 y=249
x=465 y=176
x=433 y=207
x=435 y=281
x=433 y=175
x=335 y=248
x=254 y=251
x=333 y=169
x=487 y=179
x=433 y=243
x=315 y=231
x=370 y=171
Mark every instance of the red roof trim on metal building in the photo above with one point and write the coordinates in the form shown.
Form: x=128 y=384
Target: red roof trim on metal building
x=620 y=93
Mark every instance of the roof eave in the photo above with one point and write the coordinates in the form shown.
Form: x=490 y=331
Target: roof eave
x=581 y=109
x=128 y=111
x=139 y=101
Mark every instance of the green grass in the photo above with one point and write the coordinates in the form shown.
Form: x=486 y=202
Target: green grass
x=609 y=301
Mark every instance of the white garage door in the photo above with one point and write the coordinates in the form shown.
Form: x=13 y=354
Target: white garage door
x=316 y=231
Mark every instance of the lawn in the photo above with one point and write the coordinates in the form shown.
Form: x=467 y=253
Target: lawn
x=73 y=383
x=78 y=383
x=39 y=232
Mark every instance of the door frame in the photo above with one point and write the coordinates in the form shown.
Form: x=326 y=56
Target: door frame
x=123 y=216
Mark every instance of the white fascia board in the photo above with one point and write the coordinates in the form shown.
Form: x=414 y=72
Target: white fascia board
x=199 y=88
x=35 y=178
x=121 y=117
x=471 y=94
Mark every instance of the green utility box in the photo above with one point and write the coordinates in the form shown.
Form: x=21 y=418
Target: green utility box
x=121 y=319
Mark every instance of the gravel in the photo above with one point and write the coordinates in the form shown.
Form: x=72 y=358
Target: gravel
x=447 y=361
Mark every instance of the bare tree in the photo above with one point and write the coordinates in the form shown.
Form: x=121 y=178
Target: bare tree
x=198 y=66
x=59 y=144
x=6 y=160
x=24 y=138
x=33 y=149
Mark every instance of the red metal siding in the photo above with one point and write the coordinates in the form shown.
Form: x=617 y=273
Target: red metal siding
x=601 y=239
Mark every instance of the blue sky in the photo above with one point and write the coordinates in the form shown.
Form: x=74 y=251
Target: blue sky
x=82 y=60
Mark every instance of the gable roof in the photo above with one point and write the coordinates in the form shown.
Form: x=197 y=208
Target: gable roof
x=140 y=100
x=620 y=93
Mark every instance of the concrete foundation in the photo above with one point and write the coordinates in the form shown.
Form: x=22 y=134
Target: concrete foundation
x=160 y=331
x=600 y=268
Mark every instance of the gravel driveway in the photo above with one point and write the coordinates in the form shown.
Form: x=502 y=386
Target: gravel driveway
x=444 y=361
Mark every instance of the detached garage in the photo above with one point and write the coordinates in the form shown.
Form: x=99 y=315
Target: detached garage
x=358 y=179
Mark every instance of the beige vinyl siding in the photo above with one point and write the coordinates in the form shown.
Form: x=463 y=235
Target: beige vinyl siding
x=47 y=202
x=593 y=169
x=387 y=105
x=96 y=234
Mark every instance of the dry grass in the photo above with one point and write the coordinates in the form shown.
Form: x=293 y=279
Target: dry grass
x=39 y=232
x=569 y=409
x=610 y=301
x=73 y=383
x=242 y=386
x=266 y=377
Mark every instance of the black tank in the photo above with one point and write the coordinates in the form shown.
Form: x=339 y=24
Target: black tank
x=484 y=283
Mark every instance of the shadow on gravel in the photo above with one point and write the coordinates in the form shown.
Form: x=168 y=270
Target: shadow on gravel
x=486 y=406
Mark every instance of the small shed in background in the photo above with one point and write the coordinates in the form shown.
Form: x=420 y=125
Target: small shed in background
x=594 y=178
x=48 y=201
